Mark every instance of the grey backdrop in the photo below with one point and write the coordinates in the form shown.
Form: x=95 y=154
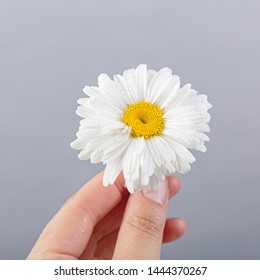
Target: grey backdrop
x=50 y=49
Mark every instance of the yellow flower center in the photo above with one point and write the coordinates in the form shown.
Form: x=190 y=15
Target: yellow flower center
x=144 y=118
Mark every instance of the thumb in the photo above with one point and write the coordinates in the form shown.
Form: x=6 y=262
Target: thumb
x=141 y=232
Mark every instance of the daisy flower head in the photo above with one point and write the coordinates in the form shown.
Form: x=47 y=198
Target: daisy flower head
x=143 y=124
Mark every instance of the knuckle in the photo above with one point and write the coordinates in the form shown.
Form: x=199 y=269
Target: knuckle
x=150 y=223
x=68 y=201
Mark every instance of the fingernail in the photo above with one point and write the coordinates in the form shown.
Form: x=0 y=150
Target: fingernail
x=159 y=195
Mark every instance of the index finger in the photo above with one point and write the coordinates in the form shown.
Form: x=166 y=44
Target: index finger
x=69 y=231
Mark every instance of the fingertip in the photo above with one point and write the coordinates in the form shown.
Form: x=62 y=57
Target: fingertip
x=180 y=226
x=175 y=228
x=143 y=224
x=174 y=185
x=174 y=181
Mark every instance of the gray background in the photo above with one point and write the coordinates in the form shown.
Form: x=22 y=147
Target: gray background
x=50 y=49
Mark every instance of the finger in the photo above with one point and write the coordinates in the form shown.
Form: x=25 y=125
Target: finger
x=104 y=227
x=141 y=232
x=106 y=246
x=174 y=229
x=77 y=218
x=113 y=220
x=174 y=185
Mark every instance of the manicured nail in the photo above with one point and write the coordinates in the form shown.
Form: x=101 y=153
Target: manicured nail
x=159 y=195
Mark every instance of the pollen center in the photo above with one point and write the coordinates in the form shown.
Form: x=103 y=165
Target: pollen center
x=144 y=118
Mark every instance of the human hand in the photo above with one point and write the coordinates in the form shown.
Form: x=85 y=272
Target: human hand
x=108 y=223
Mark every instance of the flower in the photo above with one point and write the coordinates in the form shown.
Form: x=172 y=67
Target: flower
x=141 y=123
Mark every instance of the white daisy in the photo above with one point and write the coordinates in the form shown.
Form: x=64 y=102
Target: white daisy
x=141 y=123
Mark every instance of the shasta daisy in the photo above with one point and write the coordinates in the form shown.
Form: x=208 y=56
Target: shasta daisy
x=142 y=123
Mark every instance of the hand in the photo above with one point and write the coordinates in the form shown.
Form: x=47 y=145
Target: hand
x=108 y=223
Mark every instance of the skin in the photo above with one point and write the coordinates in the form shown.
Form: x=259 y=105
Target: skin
x=108 y=223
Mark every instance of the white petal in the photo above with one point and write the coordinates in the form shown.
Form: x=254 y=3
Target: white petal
x=150 y=74
x=202 y=148
x=137 y=184
x=144 y=179
x=164 y=150
x=112 y=171
x=153 y=183
x=154 y=152
x=114 y=146
x=123 y=87
x=131 y=86
x=84 y=101
x=202 y=136
x=183 y=166
x=141 y=80
x=159 y=174
x=111 y=91
x=78 y=144
x=131 y=158
x=88 y=133
x=128 y=160
x=85 y=154
x=96 y=156
x=182 y=152
x=169 y=92
x=147 y=164
x=84 y=112
x=91 y=91
x=113 y=126
x=202 y=127
x=157 y=84
x=180 y=97
x=129 y=185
